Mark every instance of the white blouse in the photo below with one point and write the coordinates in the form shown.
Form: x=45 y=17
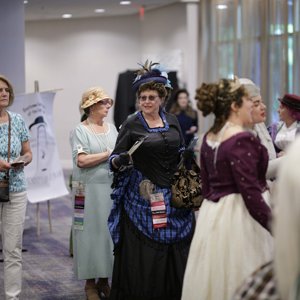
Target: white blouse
x=285 y=136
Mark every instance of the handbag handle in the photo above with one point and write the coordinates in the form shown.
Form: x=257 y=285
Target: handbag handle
x=8 y=146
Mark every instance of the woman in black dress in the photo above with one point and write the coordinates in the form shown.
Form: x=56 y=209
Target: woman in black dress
x=151 y=238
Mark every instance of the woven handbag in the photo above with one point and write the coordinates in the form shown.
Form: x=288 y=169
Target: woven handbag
x=186 y=187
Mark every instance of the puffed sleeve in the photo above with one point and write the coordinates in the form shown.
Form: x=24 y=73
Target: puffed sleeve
x=124 y=141
x=245 y=156
x=173 y=121
x=79 y=142
x=182 y=141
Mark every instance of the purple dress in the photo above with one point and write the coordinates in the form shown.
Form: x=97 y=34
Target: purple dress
x=231 y=239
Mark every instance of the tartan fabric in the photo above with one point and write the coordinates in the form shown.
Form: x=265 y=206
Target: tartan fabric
x=126 y=195
x=259 y=286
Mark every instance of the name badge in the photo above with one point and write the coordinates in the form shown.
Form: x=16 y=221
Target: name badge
x=158 y=209
x=79 y=199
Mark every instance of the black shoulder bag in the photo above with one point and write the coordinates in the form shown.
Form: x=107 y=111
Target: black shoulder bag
x=4 y=183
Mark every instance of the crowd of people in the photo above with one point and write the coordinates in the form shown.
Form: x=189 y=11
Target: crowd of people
x=129 y=242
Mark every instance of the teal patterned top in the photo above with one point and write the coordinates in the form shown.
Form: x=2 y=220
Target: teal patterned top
x=19 y=134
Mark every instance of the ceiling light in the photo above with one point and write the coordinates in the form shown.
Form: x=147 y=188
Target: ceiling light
x=67 y=16
x=221 y=6
x=25 y=1
x=99 y=10
x=125 y=2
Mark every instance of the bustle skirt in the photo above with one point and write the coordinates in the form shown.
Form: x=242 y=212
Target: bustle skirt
x=145 y=269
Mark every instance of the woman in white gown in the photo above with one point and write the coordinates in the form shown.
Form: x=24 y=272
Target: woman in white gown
x=232 y=236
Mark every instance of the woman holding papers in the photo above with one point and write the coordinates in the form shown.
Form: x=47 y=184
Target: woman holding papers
x=151 y=238
x=15 y=153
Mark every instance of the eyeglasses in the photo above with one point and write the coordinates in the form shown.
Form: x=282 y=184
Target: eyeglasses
x=7 y=90
x=106 y=101
x=144 y=98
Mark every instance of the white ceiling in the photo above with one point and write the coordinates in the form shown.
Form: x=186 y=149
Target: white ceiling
x=54 y=9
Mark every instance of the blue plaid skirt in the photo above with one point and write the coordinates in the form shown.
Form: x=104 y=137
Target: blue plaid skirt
x=126 y=196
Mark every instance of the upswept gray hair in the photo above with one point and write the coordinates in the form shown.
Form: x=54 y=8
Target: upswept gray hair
x=252 y=89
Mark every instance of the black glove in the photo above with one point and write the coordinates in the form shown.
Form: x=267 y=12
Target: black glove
x=122 y=159
x=188 y=156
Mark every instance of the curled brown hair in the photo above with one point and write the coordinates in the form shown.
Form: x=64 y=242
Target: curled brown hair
x=153 y=86
x=11 y=90
x=217 y=98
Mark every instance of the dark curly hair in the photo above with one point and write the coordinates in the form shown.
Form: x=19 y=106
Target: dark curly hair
x=153 y=86
x=217 y=98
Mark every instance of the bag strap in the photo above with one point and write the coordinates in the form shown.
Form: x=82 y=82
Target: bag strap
x=194 y=165
x=8 y=146
x=180 y=164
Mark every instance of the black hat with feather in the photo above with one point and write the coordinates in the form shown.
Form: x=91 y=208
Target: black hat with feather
x=151 y=72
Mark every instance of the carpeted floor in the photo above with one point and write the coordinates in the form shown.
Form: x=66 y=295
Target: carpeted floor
x=47 y=265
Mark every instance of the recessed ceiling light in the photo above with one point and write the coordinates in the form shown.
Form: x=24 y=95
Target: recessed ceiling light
x=25 y=1
x=99 y=10
x=67 y=16
x=222 y=6
x=125 y=2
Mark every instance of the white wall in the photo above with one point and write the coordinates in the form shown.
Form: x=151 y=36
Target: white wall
x=164 y=35
x=78 y=53
x=12 y=58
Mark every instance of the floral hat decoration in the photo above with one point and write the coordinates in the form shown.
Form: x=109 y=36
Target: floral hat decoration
x=92 y=96
x=151 y=72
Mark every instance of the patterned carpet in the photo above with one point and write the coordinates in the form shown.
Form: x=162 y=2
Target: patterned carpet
x=47 y=265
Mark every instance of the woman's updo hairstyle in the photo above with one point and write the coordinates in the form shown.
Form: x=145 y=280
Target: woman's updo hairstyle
x=217 y=98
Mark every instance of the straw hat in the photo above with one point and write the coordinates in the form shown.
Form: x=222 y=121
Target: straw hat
x=92 y=96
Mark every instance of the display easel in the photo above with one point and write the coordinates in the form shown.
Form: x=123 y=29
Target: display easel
x=38 y=228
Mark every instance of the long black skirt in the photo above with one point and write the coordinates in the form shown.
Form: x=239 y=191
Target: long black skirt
x=145 y=269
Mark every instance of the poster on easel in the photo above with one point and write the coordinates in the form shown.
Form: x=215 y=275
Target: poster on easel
x=44 y=175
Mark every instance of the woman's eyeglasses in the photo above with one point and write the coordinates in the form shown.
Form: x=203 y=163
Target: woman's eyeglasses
x=106 y=101
x=7 y=90
x=144 y=98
